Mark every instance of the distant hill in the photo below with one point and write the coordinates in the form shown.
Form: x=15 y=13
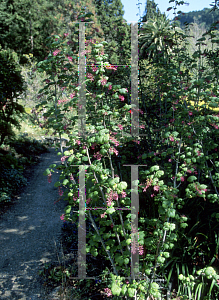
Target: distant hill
x=205 y=17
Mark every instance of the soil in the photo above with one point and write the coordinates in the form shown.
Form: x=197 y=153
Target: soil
x=30 y=234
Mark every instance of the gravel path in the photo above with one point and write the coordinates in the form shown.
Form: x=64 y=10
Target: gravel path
x=29 y=231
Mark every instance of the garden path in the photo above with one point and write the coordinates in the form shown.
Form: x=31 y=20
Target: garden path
x=29 y=235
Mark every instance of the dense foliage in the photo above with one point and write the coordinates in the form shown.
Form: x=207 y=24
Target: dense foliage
x=11 y=87
x=176 y=236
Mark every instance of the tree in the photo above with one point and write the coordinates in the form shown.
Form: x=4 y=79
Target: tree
x=11 y=86
x=22 y=30
x=151 y=11
x=157 y=35
x=118 y=35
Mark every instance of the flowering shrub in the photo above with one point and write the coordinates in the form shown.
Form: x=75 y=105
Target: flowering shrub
x=180 y=166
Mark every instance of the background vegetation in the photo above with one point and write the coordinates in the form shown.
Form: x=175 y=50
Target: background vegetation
x=178 y=59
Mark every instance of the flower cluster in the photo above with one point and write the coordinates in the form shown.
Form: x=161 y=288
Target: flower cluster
x=62 y=101
x=114 y=141
x=49 y=178
x=56 y=52
x=98 y=155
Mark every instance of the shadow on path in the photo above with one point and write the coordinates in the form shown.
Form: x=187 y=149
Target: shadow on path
x=28 y=233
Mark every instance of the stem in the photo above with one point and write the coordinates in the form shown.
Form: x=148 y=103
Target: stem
x=104 y=199
x=102 y=242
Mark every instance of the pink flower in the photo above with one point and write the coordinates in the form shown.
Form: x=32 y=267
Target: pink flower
x=137 y=142
x=56 y=52
x=103 y=81
x=141 y=250
x=152 y=195
x=49 y=178
x=169 y=160
x=120 y=126
x=133 y=247
x=47 y=81
x=72 y=95
x=62 y=217
x=102 y=216
x=88 y=200
x=98 y=155
x=66 y=34
x=142 y=126
x=112 y=225
x=108 y=292
x=93 y=146
x=172 y=139
x=115 y=196
x=190 y=113
x=156 y=188
x=60 y=191
x=90 y=76
x=189 y=171
x=115 y=151
x=121 y=97
x=114 y=141
x=182 y=178
x=94 y=69
x=63 y=158
x=124 y=194
x=78 y=142
x=70 y=58
x=110 y=87
x=199 y=153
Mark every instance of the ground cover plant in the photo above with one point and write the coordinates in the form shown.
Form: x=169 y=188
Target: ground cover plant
x=177 y=235
x=17 y=154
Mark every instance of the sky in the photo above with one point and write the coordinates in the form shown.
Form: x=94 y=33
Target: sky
x=131 y=8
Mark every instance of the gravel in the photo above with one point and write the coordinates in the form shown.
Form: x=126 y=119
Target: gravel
x=30 y=234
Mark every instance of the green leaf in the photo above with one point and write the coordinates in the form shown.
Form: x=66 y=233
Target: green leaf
x=110 y=210
x=46 y=172
x=119 y=260
x=52 y=166
x=85 y=158
x=124 y=289
x=57 y=184
x=154 y=168
x=171 y=213
x=115 y=289
x=126 y=260
x=65 y=181
x=68 y=209
x=122 y=185
x=192 y=178
x=122 y=91
x=131 y=292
